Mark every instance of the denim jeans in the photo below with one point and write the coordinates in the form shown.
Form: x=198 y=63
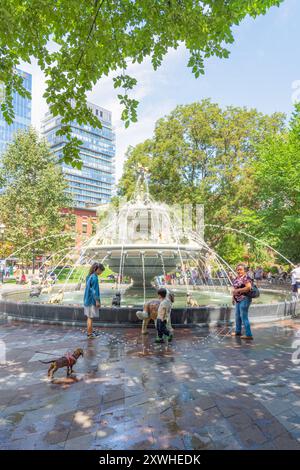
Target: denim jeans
x=241 y=315
x=169 y=324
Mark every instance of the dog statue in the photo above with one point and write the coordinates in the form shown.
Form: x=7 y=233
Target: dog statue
x=190 y=301
x=68 y=361
x=47 y=290
x=116 y=301
x=57 y=298
x=150 y=312
x=35 y=291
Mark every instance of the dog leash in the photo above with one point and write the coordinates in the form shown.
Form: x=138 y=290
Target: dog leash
x=42 y=352
x=70 y=358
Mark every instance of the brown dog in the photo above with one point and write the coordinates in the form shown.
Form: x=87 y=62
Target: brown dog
x=67 y=361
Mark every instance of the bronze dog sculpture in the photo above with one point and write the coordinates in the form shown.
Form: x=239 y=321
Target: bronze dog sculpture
x=116 y=301
x=149 y=313
x=35 y=291
x=190 y=301
x=68 y=361
x=57 y=298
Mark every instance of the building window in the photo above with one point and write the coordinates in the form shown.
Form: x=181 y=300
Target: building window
x=84 y=228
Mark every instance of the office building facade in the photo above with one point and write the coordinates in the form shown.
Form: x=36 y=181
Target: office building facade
x=22 y=110
x=94 y=183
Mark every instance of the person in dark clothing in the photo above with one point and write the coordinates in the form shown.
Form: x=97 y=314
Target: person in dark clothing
x=163 y=314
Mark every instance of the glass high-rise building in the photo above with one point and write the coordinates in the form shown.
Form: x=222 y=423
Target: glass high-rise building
x=93 y=184
x=22 y=109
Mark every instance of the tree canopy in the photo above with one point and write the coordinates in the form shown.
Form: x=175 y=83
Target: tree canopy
x=32 y=197
x=277 y=179
x=96 y=37
x=200 y=151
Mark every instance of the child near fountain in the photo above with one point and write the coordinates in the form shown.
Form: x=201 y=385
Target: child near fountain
x=91 y=298
x=164 y=311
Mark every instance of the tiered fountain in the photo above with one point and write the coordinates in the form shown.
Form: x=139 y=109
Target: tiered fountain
x=141 y=240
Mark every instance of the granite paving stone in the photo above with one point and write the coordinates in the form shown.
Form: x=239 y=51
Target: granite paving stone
x=203 y=391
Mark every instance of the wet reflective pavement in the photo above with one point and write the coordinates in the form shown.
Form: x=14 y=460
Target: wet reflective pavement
x=206 y=390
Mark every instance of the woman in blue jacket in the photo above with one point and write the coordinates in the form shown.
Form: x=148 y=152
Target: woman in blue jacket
x=91 y=298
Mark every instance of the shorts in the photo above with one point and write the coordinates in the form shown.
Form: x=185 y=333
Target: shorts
x=91 y=311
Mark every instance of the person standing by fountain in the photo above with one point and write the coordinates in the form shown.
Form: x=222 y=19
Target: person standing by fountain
x=163 y=314
x=91 y=298
x=295 y=278
x=242 y=284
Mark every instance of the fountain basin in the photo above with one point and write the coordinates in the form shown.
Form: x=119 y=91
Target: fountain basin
x=126 y=316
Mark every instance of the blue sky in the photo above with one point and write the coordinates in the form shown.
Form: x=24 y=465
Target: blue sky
x=260 y=72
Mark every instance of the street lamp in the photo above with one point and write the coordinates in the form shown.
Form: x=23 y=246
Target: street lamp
x=2 y=230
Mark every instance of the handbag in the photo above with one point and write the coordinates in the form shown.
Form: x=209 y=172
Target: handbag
x=254 y=292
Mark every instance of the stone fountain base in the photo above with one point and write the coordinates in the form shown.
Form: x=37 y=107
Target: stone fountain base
x=126 y=316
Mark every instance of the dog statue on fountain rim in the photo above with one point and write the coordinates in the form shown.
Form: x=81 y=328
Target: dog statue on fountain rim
x=190 y=301
x=57 y=298
x=116 y=301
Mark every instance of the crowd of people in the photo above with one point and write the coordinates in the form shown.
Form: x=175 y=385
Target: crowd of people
x=22 y=275
x=208 y=276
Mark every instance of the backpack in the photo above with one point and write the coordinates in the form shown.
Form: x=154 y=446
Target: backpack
x=254 y=292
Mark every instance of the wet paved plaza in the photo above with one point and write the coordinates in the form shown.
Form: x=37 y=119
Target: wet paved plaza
x=203 y=391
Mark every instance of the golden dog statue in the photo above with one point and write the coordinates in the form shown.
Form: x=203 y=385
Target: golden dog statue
x=190 y=301
x=57 y=298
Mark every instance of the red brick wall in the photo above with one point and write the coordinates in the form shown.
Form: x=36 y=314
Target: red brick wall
x=85 y=218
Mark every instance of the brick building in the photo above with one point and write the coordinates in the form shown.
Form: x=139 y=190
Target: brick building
x=85 y=222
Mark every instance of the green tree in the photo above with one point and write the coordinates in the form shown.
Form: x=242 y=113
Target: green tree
x=94 y=38
x=277 y=182
x=231 y=248
x=33 y=196
x=201 y=154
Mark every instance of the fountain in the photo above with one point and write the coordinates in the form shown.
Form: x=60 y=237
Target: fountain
x=142 y=240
